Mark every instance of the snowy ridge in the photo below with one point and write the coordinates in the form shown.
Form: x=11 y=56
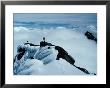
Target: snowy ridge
x=44 y=63
x=27 y=66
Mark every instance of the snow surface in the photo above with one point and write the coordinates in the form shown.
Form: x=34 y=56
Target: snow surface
x=84 y=52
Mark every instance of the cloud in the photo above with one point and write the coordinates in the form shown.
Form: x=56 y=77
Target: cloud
x=18 y=29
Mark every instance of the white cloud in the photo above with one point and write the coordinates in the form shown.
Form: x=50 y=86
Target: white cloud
x=18 y=29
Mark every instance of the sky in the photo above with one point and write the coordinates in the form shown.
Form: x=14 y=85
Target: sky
x=55 y=18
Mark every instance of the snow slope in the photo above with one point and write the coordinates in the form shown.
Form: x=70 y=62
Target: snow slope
x=84 y=52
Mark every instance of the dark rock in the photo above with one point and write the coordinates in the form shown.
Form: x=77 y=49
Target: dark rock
x=89 y=35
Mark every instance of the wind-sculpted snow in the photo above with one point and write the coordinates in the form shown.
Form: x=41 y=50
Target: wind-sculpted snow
x=84 y=52
x=40 y=56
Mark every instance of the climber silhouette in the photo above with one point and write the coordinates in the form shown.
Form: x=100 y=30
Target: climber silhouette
x=43 y=43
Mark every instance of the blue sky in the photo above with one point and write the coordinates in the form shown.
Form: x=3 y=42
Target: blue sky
x=55 y=18
x=58 y=17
